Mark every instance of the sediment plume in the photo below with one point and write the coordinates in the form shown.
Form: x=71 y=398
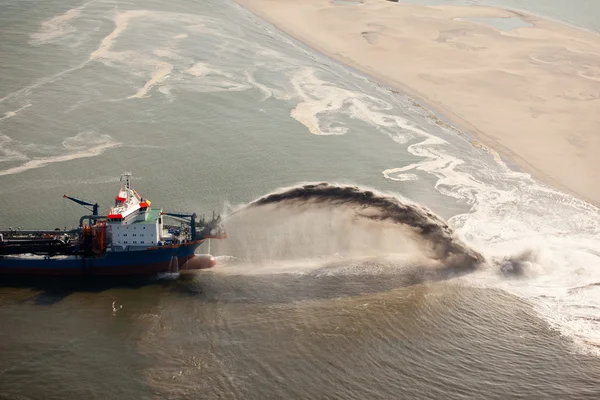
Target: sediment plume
x=344 y=218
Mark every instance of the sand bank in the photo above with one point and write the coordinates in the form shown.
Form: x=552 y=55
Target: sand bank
x=532 y=93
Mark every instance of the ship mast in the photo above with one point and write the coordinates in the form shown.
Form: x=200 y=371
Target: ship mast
x=127 y=176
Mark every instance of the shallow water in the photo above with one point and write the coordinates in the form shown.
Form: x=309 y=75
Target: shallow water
x=504 y=24
x=210 y=107
x=581 y=13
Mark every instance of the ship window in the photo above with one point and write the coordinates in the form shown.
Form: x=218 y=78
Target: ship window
x=134 y=241
x=144 y=227
x=141 y=234
x=134 y=234
x=125 y=242
x=142 y=241
x=124 y=234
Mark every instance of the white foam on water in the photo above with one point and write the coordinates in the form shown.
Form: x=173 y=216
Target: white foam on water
x=149 y=60
x=157 y=69
x=61 y=183
x=208 y=78
x=166 y=53
x=154 y=71
x=168 y=276
x=32 y=149
x=395 y=175
x=563 y=233
x=167 y=90
x=199 y=69
x=60 y=27
x=11 y=114
x=162 y=72
x=266 y=91
x=323 y=102
x=317 y=97
x=55 y=28
x=7 y=151
x=83 y=145
x=25 y=91
x=84 y=139
x=121 y=22
x=511 y=214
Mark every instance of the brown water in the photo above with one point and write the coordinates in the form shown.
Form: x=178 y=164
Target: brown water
x=222 y=335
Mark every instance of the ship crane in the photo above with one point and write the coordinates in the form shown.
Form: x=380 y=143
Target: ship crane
x=86 y=204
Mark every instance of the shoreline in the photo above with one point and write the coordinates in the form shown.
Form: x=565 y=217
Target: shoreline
x=267 y=10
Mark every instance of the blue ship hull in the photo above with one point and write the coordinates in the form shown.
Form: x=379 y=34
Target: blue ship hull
x=140 y=262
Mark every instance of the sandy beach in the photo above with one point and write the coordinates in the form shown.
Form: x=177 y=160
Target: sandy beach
x=531 y=93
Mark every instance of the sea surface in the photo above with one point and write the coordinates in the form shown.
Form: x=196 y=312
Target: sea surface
x=210 y=108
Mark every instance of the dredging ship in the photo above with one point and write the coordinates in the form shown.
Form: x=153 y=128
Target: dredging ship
x=132 y=239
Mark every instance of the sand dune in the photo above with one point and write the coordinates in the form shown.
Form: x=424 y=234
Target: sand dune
x=531 y=93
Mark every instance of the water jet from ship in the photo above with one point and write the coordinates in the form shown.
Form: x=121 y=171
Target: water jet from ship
x=332 y=224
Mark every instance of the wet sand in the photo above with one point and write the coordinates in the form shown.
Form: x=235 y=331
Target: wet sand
x=531 y=93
